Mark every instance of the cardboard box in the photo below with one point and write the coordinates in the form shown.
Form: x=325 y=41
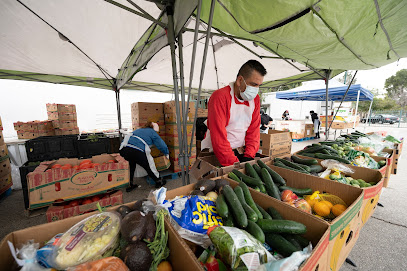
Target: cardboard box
x=274 y=137
x=295 y=135
x=1 y=125
x=309 y=130
x=68 y=124
x=61 y=108
x=344 y=230
x=202 y=169
x=317 y=229
x=34 y=134
x=1 y=138
x=202 y=113
x=173 y=141
x=390 y=163
x=47 y=185
x=145 y=112
x=174 y=167
x=169 y=107
x=175 y=151
x=172 y=129
x=284 y=149
x=339 y=125
x=5 y=183
x=181 y=257
x=67 y=131
x=59 y=212
x=61 y=116
x=34 y=126
x=162 y=163
x=396 y=156
x=3 y=150
x=5 y=166
x=171 y=118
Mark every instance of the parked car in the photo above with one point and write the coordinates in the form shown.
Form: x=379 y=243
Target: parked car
x=382 y=118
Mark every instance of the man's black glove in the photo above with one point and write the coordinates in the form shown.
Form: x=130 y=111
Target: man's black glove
x=243 y=159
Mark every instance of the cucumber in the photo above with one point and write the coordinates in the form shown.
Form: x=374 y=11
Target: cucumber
x=249 y=200
x=248 y=180
x=316 y=168
x=325 y=156
x=235 y=206
x=222 y=207
x=263 y=212
x=262 y=189
x=292 y=240
x=313 y=149
x=308 y=162
x=279 y=164
x=251 y=172
x=281 y=226
x=312 y=155
x=255 y=230
x=304 y=242
x=234 y=177
x=288 y=163
x=330 y=149
x=298 y=191
x=324 y=151
x=304 y=167
x=280 y=244
x=274 y=213
x=257 y=168
x=228 y=221
x=251 y=215
x=277 y=179
x=271 y=188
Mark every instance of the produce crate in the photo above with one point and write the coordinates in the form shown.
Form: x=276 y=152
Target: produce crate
x=1 y=138
x=5 y=166
x=317 y=229
x=90 y=147
x=24 y=170
x=51 y=147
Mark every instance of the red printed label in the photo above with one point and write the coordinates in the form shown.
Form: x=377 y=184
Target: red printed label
x=373 y=191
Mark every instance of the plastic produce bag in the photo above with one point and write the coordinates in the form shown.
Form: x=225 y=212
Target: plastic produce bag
x=238 y=248
x=44 y=254
x=15 y=176
x=26 y=256
x=335 y=165
x=93 y=238
x=291 y=263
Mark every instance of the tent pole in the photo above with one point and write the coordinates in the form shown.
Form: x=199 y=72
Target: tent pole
x=356 y=111
x=214 y=61
x=119 y=115
x=343 y=98
x=171 y=41
x=327 y=74
x=208 y=32
x=368 y=114
x=184 y=112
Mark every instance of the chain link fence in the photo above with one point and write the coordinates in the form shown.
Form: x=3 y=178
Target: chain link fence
x=390 y=118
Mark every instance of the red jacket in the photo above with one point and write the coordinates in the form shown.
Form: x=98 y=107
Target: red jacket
x=218 y=118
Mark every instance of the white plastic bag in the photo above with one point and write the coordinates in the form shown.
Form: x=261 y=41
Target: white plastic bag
x=15 y=176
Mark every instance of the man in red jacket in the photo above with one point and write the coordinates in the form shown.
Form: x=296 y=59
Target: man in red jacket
x=234 y=116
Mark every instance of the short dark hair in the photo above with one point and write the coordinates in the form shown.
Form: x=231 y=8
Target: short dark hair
x=249 y=66
x=311 y=112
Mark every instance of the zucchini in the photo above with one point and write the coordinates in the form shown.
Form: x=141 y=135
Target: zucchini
x=251 y=215
x=280 y=244
x=248 y=180
x=255 y=230
x=263 y=212
x=290 y=238
x=222 y=207
x=251 y=172
x=257 y=169
x=234 y=177
x=279 y=164
x=277 y=179
x=316 y=168
x=271 y=188
x=274 y=213
x=249 y=200
x=325 y=156
x=235 y=206
x=228 y=221
x=308 y=162
x=298 y=191
x=288 y=163
x=281 y=226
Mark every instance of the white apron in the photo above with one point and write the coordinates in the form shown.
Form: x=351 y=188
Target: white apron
x=316 y=126
x=239 y=121
x=140 y=171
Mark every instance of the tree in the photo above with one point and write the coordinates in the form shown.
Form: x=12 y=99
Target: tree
x=379 y=104
x=396 y=87
x=346 y=80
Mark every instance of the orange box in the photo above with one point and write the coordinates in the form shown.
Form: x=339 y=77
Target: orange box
x=5 y=183
x=3 y=151
x=169 y=107
x=1 y=138
x=5 y=166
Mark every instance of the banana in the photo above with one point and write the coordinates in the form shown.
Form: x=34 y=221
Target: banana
x=338 y=245
x=369 y=208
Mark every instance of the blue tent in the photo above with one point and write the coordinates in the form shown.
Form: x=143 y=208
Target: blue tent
x=334 y=94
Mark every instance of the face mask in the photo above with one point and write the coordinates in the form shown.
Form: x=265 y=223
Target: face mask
x=250 y=92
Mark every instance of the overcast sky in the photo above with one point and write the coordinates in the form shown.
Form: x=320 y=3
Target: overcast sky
x=96 y=108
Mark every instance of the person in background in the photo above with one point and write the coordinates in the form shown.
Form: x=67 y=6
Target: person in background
x=286 y=115
x=316 y=122
x=135 y=148
x=265 y=122
x=234 y=116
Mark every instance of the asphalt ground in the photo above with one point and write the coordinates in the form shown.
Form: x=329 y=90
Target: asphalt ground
x=381 y=244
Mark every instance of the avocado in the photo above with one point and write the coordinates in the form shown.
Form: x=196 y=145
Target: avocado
x=219 y=184
x=123 y=210
x=137 y=256
x=196 y=193
x=205 y=186
x=138 y=205
x=133 y=227
x=151 y=228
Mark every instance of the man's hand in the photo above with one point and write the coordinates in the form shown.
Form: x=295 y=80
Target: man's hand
x=243 y=159
x=167 y=156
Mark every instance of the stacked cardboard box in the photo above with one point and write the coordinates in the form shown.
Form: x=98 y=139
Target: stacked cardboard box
x=33 y=129
x=202 y=113
x=309 y=130
x=171 y=133
x=275 y=143
x=141 y=113
x=64 y=118
x=5 y=167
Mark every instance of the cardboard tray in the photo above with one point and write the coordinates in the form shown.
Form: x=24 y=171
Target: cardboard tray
x=180 y=257
x=344 y=230
x=317 y=229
